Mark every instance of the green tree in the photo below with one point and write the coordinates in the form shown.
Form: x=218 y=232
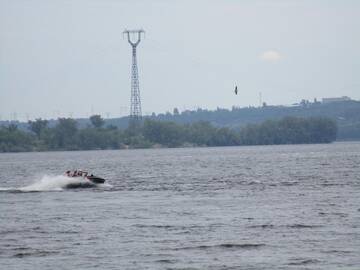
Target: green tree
x=14 y=140
x=176 y=111
x=290 y=130
x=38 y=126
x=12 y=127
x=97 y=121
x=64 y=134
x=166 y=133
x=200 y=133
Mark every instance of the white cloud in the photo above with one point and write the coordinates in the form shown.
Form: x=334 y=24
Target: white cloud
x=271 y=56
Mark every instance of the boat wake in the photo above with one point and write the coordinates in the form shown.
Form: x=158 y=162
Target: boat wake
x=56 y=183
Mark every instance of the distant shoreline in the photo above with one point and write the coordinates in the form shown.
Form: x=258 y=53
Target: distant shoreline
x=66 y=136
x=180 y=147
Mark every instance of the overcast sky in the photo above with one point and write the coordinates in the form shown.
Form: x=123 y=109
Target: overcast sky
x=69 y=58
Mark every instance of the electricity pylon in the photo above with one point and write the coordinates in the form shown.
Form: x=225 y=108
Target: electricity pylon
x=135 y=102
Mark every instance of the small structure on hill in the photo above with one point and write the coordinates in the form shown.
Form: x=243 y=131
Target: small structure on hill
x=335 y=99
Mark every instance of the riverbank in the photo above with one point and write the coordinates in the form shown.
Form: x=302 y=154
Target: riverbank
x=154 y=134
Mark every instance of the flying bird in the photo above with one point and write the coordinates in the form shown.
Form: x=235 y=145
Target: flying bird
x=236 y=90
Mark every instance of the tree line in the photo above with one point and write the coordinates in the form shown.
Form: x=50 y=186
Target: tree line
x=66 y=135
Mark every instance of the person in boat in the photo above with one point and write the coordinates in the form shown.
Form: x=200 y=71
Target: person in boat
x=68 y=173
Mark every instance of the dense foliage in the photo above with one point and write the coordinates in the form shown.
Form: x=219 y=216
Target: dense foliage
x=290 y=130
x=67 y=136
x=346 y=114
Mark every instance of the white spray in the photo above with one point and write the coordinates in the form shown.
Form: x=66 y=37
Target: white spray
x=53 y=183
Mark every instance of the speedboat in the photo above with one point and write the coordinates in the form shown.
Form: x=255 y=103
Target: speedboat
x=85 y=175
x=95 y=179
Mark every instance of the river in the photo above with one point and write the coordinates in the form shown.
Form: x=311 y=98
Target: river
x=257 y=207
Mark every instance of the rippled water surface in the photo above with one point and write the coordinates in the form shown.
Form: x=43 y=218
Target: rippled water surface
x=273 y=207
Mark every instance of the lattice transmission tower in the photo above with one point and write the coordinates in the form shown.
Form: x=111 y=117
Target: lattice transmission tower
x=134 y=38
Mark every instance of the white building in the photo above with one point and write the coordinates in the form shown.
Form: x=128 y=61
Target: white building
x=335 y=99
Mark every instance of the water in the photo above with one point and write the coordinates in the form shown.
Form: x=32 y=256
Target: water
x=273 y=207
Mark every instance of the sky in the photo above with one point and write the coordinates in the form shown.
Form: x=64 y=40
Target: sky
x=68 y=58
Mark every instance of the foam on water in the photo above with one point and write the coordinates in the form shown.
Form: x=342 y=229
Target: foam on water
x=55 y=183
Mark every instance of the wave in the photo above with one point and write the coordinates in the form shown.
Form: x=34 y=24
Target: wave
x=263 y=226
x=291 y=226
x=165 y=261
x=287 y=183
x=303 y=261
x=226 y=246
x=36 y=253
x=303 y=226
x=55 y=183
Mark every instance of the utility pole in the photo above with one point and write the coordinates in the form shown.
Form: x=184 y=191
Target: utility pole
x=135 y=102
x=260 y=100
x=14 y=116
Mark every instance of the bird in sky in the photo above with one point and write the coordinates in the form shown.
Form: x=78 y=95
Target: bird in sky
x=236 y=91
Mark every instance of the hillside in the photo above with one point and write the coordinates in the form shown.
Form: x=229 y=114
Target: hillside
x=346 y=114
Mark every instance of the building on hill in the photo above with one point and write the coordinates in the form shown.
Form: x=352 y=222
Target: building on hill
x=335 y=99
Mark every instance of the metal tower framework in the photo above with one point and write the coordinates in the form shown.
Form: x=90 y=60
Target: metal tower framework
x=135 y=107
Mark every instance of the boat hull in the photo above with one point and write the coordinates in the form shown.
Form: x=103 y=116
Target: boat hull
x=96 y=180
